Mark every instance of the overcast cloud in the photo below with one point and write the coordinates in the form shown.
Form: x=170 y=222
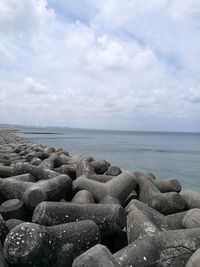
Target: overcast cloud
x=110 y=64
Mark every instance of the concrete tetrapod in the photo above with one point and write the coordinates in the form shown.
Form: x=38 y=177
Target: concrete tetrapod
x=100 y=178
x=76 y=159
x=110 y=200
x=165 y=203
x=29 y=244
x=175 y=221
x=49 y=162
x=36 y=152
x=67 y=169
x=168 y=185
x=131 y=196
x=100 y=166
x=4 y=159
x=10 y=224
x=35 y=161
x=143 y=221
x=52 y=190
x=113 y=171
x=83 y=197
x=61 y=159
x=13 y=188
x=164 y=185
x=192 y=219
x=22 y=177
x=170 y=248
x=109 y=218
x=169 y=222
x=29 y=155
x=33 y=193
x=3 y=262
x=3 y=230
x=138 y=174
x=39 y=172
x=192 y=199
x=85 y=168
x=98 y=256
x=49 y=150
x=138 y=223
x=6 y=171
x=12 y=209
x=61 y=151
x=119 y=187
x=194 y=260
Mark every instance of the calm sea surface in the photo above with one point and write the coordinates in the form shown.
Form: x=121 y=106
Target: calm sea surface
x=166 y=155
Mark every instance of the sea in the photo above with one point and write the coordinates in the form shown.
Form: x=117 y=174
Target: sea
x=165 y=154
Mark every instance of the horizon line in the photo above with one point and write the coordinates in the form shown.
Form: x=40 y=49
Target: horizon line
x=4 y=125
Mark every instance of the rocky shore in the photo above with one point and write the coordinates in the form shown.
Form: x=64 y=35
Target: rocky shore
x=59 y=210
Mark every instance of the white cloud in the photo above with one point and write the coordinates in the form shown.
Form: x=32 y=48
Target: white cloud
x=6 y=57
x=2 y=95
x=145 y=59
x=33 y=87
x=22 y=18
x=128 y=63
x=106 y=54
x=185 y=10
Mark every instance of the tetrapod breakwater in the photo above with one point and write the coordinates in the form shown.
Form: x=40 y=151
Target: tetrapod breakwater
x=60 y=210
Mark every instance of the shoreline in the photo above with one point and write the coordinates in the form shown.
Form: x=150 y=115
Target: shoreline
x=38 y=132
x=92 y=203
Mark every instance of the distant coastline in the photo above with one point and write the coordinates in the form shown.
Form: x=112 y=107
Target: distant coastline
x=38 y=132
x=25 y=129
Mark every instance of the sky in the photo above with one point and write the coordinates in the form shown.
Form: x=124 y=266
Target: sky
x=104 y=64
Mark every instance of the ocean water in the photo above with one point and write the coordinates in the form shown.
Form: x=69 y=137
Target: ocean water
x=166 y=155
